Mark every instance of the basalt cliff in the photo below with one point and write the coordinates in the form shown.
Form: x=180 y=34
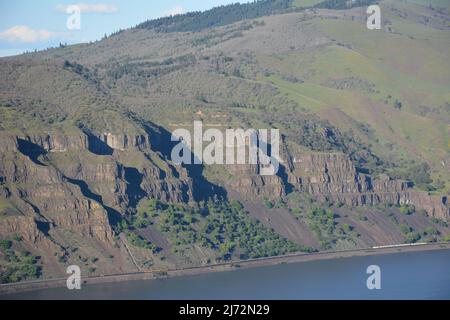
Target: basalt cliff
x=86 y=175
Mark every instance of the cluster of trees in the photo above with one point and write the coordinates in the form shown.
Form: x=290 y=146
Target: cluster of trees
x=148 y=69
x=410 y=235
x=141 y=220
x=219 y=16
x=19 y=265
x=138 y=241
x=177 y=221
x=428 y=234
x=5 y=244
x=213 y=37
x=223 y=226
x=407 y=209
x=118 y=71
x=344 y=4
x=291 y=79
x=418 y=173
x=323 y=224
x=439 y=222
x=269 y=204
x=81 y=70
x=229 y=229
x=228 y=14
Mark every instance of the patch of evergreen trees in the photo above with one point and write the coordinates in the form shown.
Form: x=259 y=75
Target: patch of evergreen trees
x=344 y=4
x=224 y=15
x=219 y=16
x=223 y=226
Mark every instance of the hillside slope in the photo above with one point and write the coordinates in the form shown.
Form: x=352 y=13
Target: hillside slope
x=86 y=176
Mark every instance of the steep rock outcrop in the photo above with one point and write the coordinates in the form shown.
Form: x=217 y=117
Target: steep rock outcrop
x=52 y=198
x=58 y=142
x=247 y=180
x=63 y=186
x=125 y=141
x=333 y=177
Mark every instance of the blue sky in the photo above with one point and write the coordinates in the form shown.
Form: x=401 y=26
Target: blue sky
x=30 y=24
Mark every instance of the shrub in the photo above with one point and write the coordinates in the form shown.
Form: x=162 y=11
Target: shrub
x=269 y=204
x=5 y=244
x=16 y=237
x=137 y=240
x=405 y=228
x=439 y=222
x=407 y=210
x=362 y=217
x=412 y=237
x=430 y=231
x=94 y=259
x=347 y=227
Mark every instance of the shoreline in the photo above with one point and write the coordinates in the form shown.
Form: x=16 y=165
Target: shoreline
x=36 y=285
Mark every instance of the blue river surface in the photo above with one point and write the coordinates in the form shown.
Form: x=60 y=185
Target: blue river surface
x=410 y=275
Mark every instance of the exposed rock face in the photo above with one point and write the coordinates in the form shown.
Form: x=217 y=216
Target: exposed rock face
x=59 y=143
x=25 y=227
x=106 y=175
x=125 y=141
x=55 y=142
x=333 y=177
x=88 y=219
x=62 y=185
x=51 y=198
x=8 y=143
x=247 y=180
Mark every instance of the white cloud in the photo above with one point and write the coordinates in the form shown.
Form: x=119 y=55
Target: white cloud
x=90 y=8
x=175 y=11
x=25 y=34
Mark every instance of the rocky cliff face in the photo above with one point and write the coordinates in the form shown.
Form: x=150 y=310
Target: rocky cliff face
x=43 y=193
x=78 y=151
x=124 y=142
x=66 y=187
x=333 y=177
x=56 y=142
x=246 y=179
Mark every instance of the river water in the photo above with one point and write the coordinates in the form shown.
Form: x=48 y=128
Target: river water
x=412 y=275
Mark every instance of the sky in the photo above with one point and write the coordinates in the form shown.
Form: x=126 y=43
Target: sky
x=26 y=25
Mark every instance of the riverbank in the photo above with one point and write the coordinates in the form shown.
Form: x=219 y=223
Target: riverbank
x=292 y=258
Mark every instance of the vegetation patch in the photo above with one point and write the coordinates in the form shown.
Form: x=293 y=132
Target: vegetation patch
x=17 y=266
x=323 y=224
x=222 y=226
x=219 y=16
